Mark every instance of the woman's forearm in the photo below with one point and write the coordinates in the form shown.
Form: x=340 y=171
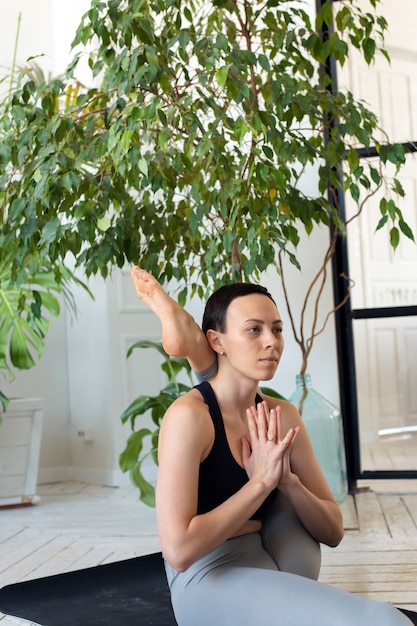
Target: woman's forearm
x=183 y=546
x=322 y=518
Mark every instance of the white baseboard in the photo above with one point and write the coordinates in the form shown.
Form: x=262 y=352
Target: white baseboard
x=93 y=476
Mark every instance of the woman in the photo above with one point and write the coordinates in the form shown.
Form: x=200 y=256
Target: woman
x=242 y=504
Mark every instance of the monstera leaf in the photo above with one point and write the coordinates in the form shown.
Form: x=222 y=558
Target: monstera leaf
x=23 y=326
x=25 y=312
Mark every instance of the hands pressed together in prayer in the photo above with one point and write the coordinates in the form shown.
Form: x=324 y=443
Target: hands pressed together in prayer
x=266 y=453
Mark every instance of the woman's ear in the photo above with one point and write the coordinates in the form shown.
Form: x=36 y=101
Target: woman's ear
x=215 y=340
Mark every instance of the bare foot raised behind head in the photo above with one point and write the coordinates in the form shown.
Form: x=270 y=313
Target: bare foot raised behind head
x=181 y=335
x=151 y=292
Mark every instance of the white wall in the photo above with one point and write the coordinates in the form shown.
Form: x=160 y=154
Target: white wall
x=83 y=376
x=36 y=32
x=47 y=28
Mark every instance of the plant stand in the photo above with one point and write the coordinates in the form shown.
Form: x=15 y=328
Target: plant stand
x=20 y=440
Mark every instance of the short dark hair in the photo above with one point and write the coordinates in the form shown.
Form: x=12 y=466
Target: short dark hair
x=215 y=311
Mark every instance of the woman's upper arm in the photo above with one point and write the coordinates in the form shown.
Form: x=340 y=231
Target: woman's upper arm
x=184 y=437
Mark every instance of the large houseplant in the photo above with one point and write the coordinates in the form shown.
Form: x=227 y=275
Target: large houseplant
x=189 y=151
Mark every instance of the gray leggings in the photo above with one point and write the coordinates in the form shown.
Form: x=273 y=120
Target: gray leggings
x=269 y=579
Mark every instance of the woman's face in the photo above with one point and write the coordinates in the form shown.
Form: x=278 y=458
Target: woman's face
x=253 y=340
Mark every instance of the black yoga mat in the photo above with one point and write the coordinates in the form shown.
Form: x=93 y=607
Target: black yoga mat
x=126 y=593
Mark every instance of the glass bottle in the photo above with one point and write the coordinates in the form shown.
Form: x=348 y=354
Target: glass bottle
x=323 y=422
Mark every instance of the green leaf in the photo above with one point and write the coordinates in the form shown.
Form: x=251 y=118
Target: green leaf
x=271 y=392
x=369 y=48
x=4 y=402
x=353 y=159
x=103 y=223
x=147 y=490
x=143 y=166
x=354 y=191
x=394 y=236
x=221 y=75
x=147 y=344
x=264 y=62
x=375 y=175
x=382 y=222
x=406 y=230
x=325 y=15
x=129 y=457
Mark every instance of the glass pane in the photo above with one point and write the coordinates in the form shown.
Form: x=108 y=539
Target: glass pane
x=390 y=90
x=386 y=373
x=386 y=349
x=382 y=277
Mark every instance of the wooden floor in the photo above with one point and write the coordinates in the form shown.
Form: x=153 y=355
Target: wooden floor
x=390 y=453
x=79 y=525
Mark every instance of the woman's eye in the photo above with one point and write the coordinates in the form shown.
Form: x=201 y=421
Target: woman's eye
x=253 y=329
x=278 y=330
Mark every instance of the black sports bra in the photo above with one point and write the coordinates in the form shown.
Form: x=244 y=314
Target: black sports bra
x=220 y=475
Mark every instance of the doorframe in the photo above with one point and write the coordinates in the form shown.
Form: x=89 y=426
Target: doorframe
x=344 y=318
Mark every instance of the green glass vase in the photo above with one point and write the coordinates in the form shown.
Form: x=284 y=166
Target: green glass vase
x=323 y=422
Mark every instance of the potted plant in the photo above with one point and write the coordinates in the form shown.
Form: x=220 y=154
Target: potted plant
x=31 y=293
x=26 y=307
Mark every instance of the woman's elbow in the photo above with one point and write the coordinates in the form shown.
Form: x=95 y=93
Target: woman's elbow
x=336 y=538
x=336 y=533
x=177 y=558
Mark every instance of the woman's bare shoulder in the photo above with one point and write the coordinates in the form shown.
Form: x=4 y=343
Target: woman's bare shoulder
x=189 y=407
x=188 y=422
x=189 y=402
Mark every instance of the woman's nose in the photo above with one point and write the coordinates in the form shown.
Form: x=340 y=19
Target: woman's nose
x=272 y=338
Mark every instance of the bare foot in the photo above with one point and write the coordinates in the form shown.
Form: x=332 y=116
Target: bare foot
x=181 y=335
x=151 y=292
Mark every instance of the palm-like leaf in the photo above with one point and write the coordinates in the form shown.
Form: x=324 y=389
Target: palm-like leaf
x=25 y=311
x=23 y=327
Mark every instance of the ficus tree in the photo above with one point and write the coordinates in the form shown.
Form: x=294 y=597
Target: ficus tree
x=188 y=153
x=186 y=148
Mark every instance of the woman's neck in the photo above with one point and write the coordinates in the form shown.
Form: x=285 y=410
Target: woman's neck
x=235 y=394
